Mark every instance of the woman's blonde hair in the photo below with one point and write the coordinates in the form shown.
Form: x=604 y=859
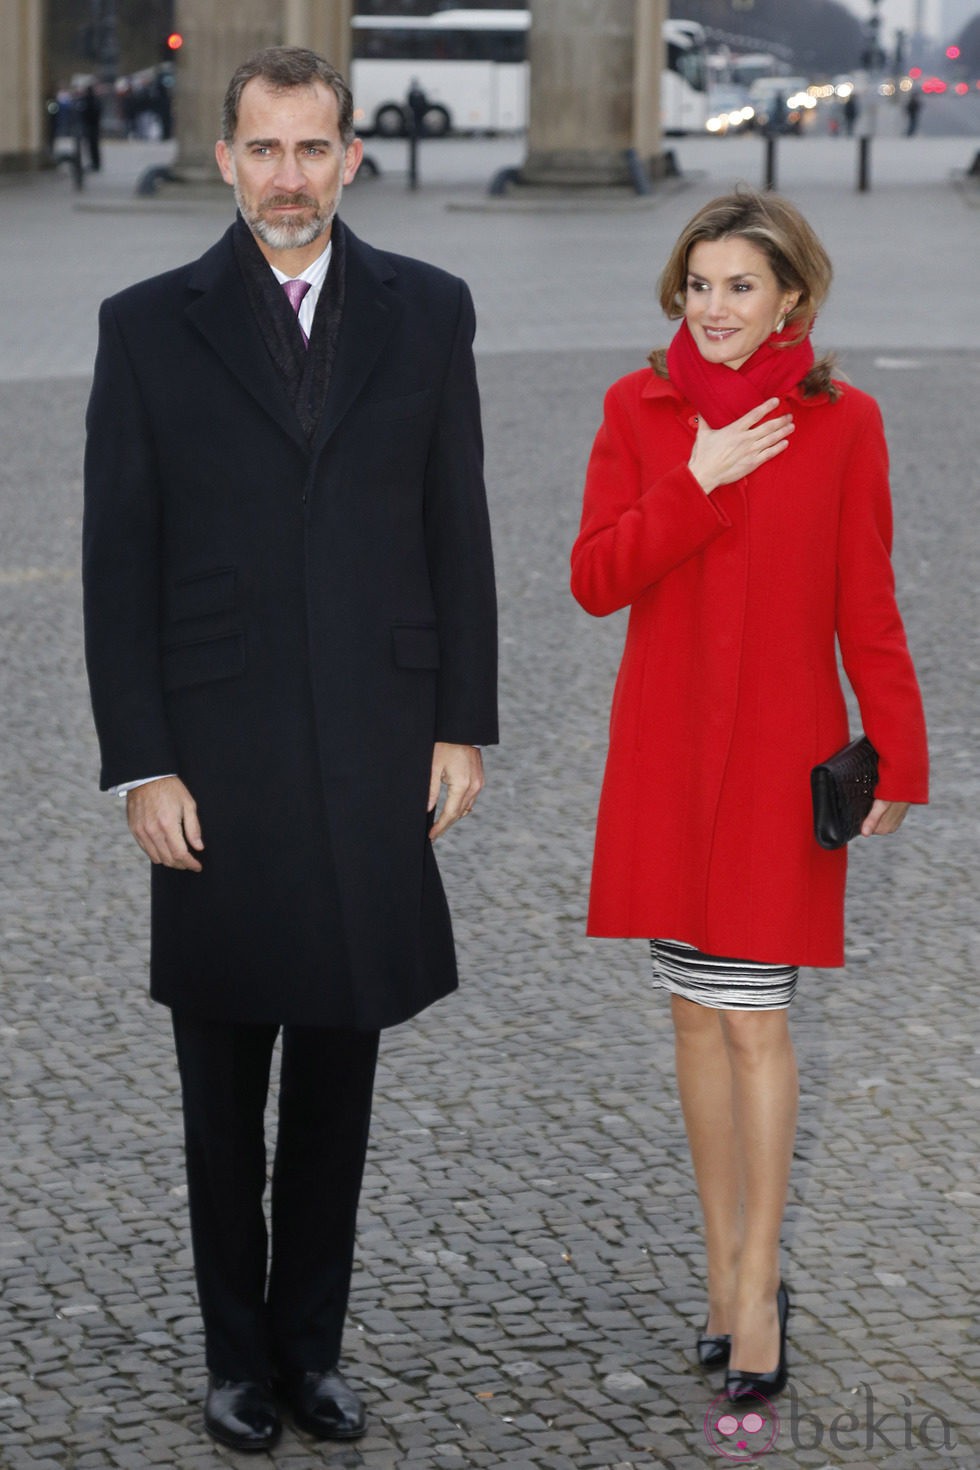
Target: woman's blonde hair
x=797 y=259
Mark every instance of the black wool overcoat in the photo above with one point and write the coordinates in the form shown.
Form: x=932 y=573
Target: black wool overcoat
x=289 y=627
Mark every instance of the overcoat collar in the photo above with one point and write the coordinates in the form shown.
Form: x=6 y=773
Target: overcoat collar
x=221 y=312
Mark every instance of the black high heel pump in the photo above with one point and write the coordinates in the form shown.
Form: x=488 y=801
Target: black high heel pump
x=714 y=1349
x=740 y=1385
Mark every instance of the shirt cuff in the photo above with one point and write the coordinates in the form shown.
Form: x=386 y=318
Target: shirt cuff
x=126 y=786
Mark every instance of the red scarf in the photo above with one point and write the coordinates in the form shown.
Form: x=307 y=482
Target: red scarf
x=722 y=394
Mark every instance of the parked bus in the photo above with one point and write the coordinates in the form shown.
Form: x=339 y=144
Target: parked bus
x=472 y=66
x=684 y=80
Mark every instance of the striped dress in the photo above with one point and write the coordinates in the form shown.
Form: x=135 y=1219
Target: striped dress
x=723 y=984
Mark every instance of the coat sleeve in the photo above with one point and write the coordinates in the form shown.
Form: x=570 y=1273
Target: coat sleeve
x=120 y=570
x=869 y=627
x=633 y=533
x=458 y=550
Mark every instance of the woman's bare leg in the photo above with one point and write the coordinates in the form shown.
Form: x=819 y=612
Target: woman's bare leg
x=704 y=1082
x=765 y=1093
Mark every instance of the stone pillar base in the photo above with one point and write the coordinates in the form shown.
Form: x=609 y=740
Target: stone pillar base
x=199 y=175
x=580 y=169
x=18 y=163
x=575 y=169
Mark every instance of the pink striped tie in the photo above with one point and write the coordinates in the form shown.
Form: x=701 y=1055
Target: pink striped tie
x=296 y=290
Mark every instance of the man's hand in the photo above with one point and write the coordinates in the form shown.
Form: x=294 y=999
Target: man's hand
x=460 y=767
x=883 y=818
x=162 y=816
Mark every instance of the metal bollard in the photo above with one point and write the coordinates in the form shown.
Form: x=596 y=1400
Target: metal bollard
x=770 y=161
x=413 y=148
x=864 y=165
x=415 y=107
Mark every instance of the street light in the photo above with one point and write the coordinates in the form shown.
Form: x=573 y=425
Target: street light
x=874 y=56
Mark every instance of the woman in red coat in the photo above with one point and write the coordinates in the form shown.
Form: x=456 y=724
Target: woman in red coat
x=737 y=502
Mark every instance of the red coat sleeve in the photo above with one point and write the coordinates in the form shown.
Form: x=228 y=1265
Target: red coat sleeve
x=635 y=528
x=869 y=626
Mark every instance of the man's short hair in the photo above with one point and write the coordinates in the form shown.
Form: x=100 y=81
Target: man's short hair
x=281 y=68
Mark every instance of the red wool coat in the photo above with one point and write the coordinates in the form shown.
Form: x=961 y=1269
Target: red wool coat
x=728 y=692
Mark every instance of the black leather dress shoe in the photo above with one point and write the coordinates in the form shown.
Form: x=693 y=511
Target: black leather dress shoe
x=742 y=1386
x=325 y=1405
x=241 y=1415
x=714 y=1350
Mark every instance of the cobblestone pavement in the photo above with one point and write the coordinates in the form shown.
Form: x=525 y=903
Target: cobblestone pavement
x=529 y=1274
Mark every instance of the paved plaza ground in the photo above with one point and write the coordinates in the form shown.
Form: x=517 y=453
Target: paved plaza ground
x=529 y=1276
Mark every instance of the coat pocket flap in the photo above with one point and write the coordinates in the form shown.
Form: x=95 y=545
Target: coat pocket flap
x=416 y=645
x=203 y=661
x=202 y=595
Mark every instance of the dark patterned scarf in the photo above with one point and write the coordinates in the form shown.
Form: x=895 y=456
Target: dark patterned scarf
x=306 y=370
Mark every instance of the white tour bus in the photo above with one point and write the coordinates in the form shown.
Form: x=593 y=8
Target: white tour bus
x=472 y=66
x=684 y=80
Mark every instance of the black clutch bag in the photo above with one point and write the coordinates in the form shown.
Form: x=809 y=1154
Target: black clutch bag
x=843 y=791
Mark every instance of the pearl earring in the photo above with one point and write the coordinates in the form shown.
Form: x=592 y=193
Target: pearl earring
x=779 y=325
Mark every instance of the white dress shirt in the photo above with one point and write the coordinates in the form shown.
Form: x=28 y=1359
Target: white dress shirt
x=316 y=274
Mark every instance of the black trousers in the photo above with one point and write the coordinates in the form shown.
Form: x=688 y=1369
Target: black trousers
x=284 y=1314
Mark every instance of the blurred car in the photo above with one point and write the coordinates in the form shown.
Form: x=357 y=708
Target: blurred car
x=730 y=109
x=782 y=104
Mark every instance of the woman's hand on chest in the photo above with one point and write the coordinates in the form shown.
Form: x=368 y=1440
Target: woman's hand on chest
x=721 y=456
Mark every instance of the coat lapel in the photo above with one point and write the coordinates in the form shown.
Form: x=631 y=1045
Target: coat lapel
x=371 y=313
x=221 y=312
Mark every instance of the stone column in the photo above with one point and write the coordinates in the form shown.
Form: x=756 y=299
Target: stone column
x=322 y=25
x=649 y=58
x=218 y=36
x=21 y=86
x=595 y=91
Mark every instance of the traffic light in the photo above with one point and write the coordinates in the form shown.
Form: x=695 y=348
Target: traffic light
x=170 y=45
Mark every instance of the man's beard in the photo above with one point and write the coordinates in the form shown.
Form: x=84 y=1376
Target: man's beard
x=289 y=233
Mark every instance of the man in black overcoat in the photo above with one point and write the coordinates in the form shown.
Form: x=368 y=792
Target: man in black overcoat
x=290 y=635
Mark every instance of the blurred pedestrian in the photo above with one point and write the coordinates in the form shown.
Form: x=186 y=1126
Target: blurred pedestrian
x=418 y=106
x=52 y=108
x=162 y=105
x=913 y=108
x=849 y=112
x=127 y=106
x=737 y=503
x=777 y=115
x=90 y=119
x=146 y=117
x=291 y=642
